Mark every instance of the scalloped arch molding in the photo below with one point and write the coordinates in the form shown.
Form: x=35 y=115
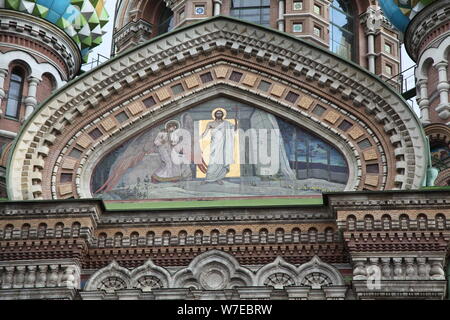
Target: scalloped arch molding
x=219 y=45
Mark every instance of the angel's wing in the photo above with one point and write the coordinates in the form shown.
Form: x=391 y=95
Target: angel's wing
x=129 y=158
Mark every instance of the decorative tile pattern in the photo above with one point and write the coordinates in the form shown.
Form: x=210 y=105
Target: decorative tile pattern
x=135 y=108
x=221 y=72
x=372 y=181
x=65 y=189
x=249 y=80
x=163 y=94
x=69 y=164
x=355 y=133
x=277 y=90
x=332 y=117
x=192 y=82
x=306 y=102
x=370 y=155
x=108 y=124
x=84 y=141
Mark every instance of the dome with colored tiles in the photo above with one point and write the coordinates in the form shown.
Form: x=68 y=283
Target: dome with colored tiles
x=401 y=12
x=82 y=20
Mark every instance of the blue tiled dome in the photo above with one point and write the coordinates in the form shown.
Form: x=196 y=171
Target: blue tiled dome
x=401 y=12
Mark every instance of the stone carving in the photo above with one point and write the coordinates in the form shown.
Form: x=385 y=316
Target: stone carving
x=22 y=276
x=216 y=270
x=399 y=268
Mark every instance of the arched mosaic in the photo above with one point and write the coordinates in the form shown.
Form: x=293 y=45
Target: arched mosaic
x=221 y=148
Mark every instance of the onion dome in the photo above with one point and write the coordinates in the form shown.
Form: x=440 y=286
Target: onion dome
x=82 y=20
x=401 y=12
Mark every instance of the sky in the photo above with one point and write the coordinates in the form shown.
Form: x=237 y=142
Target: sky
x=105 y=50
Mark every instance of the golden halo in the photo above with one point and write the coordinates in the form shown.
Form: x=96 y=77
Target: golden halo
x=225 y=113
x=178 y=123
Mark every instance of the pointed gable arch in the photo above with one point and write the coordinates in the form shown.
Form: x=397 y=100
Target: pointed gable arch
x=65 y=132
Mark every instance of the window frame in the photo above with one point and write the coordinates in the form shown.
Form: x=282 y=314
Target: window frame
x=20 y=72
x=261 y=7
x=350 y=15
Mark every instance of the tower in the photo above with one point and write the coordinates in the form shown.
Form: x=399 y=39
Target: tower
x=42 y=47
x=427 y=39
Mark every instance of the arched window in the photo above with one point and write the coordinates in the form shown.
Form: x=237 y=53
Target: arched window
x=386 y=222
x=118 y=239
x=312 y=234
x=296 y=235
x=342 y=33
x=42 y=230
x=198 y=236
x=165 y=22
x=351 y=222
x=25 y=231
x=263 y=235
x=15 y=93
x=368 y=222
x=256 y=11
x=279 y=234
x=76 y=227
x=59 y=228
x=329 y=234
x=182 y=236
x=134 y=239
x=102 y=240
x=150 y=238
x=422 y=221
x=247 y=235
x=215 y=236
x=8 y=231
x=166 y=238
x=230 y=236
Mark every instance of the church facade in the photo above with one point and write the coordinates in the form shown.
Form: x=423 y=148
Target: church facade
x=229 y=150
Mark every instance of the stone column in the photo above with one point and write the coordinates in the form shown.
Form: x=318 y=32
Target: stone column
x=31 y=101
x=281 y=11
x=371 y=20
x=424 y=103
x=3 y=74
x=217 y=7
x=443 y=88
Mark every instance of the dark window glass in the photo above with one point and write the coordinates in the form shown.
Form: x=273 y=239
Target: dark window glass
x=256 y=11
x=345 y=125
x=292 y=97
x=66 y=177
x=236 y=76
x=75 y=153
x=319 y=110
x=95 y=134
x=364 y=144
x=122 y=117
x=177 y=89
x=15 y=93
x=342 y=29
x=264 y=86
x=373 y=168
x=165 y=23
x=149 y=102
x=206 y=77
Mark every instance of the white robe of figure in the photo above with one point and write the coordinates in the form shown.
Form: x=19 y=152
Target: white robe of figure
x=267 y=121
x=221 y=151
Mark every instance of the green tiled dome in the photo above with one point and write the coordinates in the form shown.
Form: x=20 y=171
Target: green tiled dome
x=82 y=20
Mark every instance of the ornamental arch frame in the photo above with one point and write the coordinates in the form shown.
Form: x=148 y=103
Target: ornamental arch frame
x=151 y=68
